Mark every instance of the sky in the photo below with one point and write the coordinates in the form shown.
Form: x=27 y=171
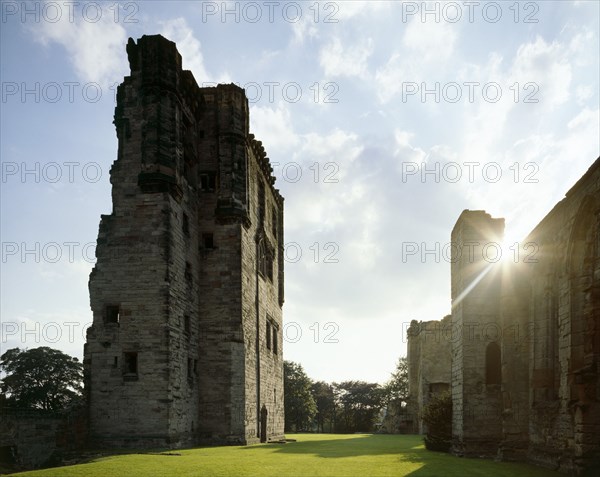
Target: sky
x=383 y=121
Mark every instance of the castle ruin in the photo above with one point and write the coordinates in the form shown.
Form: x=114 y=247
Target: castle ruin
x=520 y=353
x=187 y=291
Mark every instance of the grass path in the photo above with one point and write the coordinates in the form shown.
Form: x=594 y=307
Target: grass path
x=362 y=455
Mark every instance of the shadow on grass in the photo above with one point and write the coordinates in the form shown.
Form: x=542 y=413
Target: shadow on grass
x=407 y=449
x=401 y=456
x=94 y=455
x=365 y=445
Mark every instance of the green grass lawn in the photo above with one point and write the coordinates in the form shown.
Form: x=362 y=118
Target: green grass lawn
x=361 y=455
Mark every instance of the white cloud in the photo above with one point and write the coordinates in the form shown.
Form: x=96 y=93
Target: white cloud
x=96 y=49
x=428 y=49
x=404 y=150
x=330 y=145
x=389 y=77
x=351 y=60
x=547 y=65
x=64 y=330
x=535 y=83
x=430 y=40
x=586 y=119
x=366 y=246
x=583 y=93
x=303 y=29
x=273 y=126
x=583 y=47
x=326 y=161
x=359 y=9
x=534 y=167
x=190 y=49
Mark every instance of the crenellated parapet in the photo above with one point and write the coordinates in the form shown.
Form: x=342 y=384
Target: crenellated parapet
x=264 y=163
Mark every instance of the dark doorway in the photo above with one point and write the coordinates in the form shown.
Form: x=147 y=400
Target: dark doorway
x=263 y=423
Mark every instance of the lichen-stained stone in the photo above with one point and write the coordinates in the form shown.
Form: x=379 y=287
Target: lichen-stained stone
x=189 y=271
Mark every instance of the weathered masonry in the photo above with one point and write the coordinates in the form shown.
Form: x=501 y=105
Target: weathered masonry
x=187 y=291
x=524 y=338
x=428 y=355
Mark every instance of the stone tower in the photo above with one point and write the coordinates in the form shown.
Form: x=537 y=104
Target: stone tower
x=187 y=291
x=476 y=350
x=429 y=356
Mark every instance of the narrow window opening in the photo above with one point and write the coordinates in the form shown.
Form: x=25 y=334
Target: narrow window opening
x=261 y=201
x=272 y=335
x=208 y=240
x=188 y=272
x=437 y=388
x=274 y=221
x=187 y=327
x=130 y=363
x=116 y=362
x=269 y=266
x=186 y=225
x=112 y=314
x=493 y=364
x=208 y=181
x=190 y=369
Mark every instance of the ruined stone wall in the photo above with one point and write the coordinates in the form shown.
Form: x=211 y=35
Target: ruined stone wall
x=129 y=286
x=28 y=441
x=140 y=391
x=262 y=298
x=564 y=423
x=429 y=356
x=171 y=356
x=526 y=337
x=476 y=424
x=223 y=126
x=516 y=340
x=413 y=357
x=31 y=438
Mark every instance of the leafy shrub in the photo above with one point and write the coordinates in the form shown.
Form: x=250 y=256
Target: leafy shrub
x=437 y=414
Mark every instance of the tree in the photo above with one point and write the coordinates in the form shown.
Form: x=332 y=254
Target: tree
x=396 y=396
x=324 y=395
x=300 y=406
x=396 y=389
x=41 y=378
x=360 y=403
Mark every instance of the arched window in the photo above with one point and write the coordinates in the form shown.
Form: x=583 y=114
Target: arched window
x=493 y=364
